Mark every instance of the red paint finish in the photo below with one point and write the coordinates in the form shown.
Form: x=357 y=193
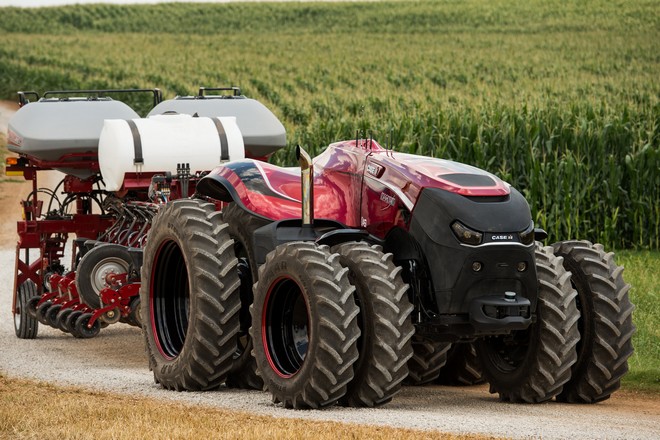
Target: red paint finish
x=357 y=183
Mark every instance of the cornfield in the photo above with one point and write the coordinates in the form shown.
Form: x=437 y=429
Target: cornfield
x=560 y=99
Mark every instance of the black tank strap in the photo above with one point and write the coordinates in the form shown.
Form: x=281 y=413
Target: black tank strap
x=224 y=144
x=137 y=143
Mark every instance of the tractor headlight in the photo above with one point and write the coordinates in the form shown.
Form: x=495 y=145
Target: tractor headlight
x=527 y=236
x=465 y=234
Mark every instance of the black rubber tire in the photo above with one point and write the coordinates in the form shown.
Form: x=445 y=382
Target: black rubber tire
x=427 y=360
x=242 y=224
x=51 y=315
x=42 y=309
x=302 y=288
x=606 y=326
x=101 y=258
x=60 y=320
x=463 y=367
x=70 y=323
x=135 y=315
x=190 y=297
x=386 y=328
x=532 y=365
x=32 y=304
x=26 y=326
x=83 y=331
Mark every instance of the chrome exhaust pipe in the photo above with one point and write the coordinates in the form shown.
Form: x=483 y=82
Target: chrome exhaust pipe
x=307 y=184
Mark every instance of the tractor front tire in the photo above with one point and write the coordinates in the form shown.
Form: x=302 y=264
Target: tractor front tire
x=384 y=321
x=304 y=326
x=605 y=324
x=532 y=365
x=26 y=326
x=189 y=297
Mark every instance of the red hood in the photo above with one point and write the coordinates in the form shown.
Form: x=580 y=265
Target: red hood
x=274 y=192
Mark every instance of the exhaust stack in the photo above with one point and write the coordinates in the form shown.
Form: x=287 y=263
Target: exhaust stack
x=307 y=183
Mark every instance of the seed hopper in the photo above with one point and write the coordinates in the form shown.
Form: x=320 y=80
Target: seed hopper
x=119 y=169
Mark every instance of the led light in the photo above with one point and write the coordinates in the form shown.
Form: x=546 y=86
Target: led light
x=522 y=266
x=527 y=236
x=477 y=266
x=465 y=234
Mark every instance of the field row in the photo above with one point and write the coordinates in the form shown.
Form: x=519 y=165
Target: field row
x=561 y=99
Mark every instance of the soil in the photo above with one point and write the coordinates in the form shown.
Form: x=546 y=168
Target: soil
x=115 y=361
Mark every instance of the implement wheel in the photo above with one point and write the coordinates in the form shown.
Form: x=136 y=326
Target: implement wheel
x=94 y=268
x=384 y=321
x=42 y=310
x=605 y=324
x=26 y=326
x=304 y=326
x=190 y=297
x=60 y=319
x=533 y=365
x=51 y=315
x=70 y=323
x=241 y=227
x=82 y=328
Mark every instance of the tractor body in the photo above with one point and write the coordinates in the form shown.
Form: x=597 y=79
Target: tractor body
x=463 y=235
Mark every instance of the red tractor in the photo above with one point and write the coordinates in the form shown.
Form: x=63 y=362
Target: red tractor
x=345 y=277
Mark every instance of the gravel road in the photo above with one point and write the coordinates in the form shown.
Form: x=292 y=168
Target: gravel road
x=115 y=361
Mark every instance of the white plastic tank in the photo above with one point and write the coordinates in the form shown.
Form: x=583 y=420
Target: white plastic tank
x=159 y=143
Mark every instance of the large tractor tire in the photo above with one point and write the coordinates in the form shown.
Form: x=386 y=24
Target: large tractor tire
x=304 y=326
x=190 y=297
x=93 y=269
x=533 y=365
x=428 y=359
x=463 y=367
x=384 y=321
x=605 y=324
x=241 y=227
x=26 y=326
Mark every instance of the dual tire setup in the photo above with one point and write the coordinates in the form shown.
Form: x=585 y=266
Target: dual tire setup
x=331 y=325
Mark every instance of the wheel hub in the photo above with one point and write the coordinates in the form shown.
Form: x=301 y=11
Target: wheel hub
x=286 y=328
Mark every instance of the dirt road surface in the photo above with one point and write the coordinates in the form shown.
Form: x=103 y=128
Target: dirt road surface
x=115 y=361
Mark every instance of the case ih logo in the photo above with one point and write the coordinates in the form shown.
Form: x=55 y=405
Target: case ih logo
x=14 y=139
x=501 y=237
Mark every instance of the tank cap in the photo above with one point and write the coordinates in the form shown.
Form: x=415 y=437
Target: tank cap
x=510 y=296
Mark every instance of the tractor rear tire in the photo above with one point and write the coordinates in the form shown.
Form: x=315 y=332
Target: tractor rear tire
x=463 y=367
x=428 y=359
x=92 y=269
x=385 y=324
x=304 y=326
x=606 y=326
x=190 y=297
x=242 y=225
x=26 y=326
x=532 y=365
